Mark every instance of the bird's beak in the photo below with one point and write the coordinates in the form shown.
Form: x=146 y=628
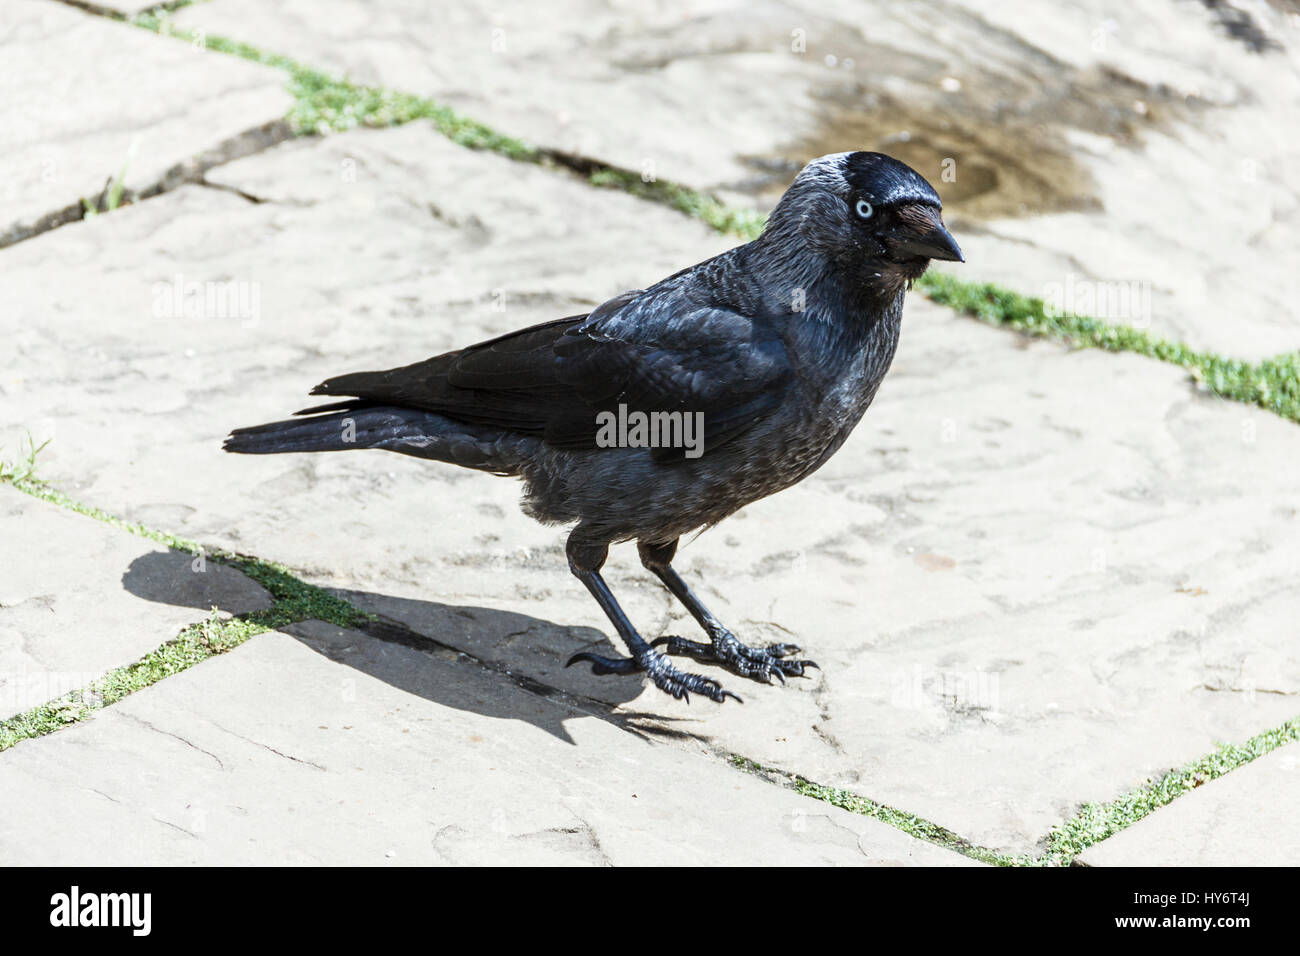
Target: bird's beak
x=924 y=234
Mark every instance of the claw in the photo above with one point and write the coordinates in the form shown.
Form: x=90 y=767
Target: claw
x=666 y=677
x=756 y=663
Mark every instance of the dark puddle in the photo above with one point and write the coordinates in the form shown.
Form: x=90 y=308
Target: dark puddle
x=993 y=146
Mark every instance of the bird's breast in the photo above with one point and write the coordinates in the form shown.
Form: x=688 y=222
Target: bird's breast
x=839 y=377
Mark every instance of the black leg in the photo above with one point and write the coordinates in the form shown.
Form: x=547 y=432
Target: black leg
x=585 y=561
x=759 y=663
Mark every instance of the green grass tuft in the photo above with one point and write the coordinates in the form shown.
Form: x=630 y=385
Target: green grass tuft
x=22 y=468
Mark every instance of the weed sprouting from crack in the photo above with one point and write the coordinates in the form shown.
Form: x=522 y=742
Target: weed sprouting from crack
x=114 y=190
x=23 y=468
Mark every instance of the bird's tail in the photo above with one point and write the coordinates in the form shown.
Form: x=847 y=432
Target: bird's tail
x=404 y=430
x=321 y=433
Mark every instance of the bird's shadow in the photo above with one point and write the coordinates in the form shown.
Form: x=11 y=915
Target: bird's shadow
x=524 y=654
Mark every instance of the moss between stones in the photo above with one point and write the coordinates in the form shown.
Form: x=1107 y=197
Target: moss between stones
x=293 y=601
x=1093 y=822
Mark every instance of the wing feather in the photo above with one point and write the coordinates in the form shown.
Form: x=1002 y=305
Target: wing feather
x=652 y=352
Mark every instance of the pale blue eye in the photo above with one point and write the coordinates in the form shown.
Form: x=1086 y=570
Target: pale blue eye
x=863 y=209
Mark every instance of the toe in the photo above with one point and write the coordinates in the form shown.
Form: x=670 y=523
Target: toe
x=795 y=668
x=604 y=665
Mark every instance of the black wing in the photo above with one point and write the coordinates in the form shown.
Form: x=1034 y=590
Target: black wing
x=648 y=352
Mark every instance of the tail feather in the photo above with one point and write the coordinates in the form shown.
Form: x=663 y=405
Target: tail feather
x=404 y=430
x=323 y=433
x=350 y=405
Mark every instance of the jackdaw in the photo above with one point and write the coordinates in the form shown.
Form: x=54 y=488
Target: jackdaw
x=775 y=348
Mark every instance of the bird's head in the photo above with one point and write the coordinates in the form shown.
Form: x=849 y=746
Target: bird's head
x=870 y=218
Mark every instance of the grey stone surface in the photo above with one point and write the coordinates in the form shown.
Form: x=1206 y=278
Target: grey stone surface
x=1093 y=146
x=386 y=756
x=89 y=99
x=1246 y=818
x=78 y=598
x=1032 y=577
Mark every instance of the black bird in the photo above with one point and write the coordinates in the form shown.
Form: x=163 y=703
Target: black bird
x=775 y=347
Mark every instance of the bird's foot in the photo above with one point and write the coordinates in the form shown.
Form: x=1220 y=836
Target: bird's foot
x=756 y=663
x=658 y=668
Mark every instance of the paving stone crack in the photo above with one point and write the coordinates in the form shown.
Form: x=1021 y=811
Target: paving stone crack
x=167 y=733
x=189 y=171
x=175 y=826
x=234 y=191
x=1220 y=689
x=278 y=753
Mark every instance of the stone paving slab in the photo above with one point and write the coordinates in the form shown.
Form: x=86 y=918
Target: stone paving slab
x=1246 y=818
x=78 y=598
x=1136 y=163
x=1032 y=575
x=90 y=98
x=378 y=754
